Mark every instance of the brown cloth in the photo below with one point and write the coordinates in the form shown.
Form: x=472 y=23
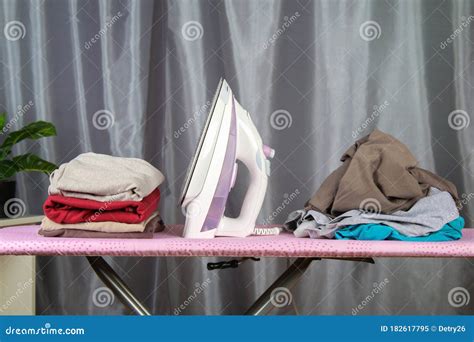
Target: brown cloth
x=154 y=226
x=377 y=169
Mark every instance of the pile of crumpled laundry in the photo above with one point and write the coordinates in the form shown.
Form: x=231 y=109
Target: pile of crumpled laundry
x=102 y=196
x=379 y=193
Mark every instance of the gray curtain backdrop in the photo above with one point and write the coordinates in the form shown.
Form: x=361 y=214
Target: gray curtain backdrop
x=132 y=79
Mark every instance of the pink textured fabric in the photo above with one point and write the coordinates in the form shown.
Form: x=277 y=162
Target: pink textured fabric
x=26 y=241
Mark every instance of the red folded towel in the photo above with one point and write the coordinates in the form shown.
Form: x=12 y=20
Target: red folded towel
x=61 y=209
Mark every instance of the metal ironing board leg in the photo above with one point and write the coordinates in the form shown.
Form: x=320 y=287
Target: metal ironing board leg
x=288 y=279
x=117 y=285
x=262 y=305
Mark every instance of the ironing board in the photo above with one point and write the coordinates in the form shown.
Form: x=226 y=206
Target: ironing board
x=24 y=240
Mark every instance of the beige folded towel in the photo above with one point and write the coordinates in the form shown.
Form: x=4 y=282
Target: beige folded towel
x=154 y=226
x=106 y=227
x=105 y=178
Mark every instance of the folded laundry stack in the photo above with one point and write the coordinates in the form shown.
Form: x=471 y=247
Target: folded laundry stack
x=100 y=196
x=379 y=193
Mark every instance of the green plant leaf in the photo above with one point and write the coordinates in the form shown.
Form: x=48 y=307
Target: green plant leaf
x=3 y=120
x=7 y=169
x=34 y=130
x=30 y=162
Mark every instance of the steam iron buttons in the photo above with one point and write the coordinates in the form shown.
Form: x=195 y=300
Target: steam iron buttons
x=269 y=154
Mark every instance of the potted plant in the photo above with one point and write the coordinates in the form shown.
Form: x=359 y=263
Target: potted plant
x=9 y=166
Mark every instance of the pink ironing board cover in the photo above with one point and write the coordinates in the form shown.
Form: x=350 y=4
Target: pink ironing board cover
x=25 y=240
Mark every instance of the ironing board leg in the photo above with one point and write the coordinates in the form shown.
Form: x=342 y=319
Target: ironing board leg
x=288 y=279
x=117 y=285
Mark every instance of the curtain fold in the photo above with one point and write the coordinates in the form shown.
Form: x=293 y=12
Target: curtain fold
x=136 y=78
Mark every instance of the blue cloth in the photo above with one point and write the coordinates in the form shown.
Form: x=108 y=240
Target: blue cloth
x=373 y=231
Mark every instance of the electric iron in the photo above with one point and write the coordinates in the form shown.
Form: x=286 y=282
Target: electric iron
x=229 y=135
